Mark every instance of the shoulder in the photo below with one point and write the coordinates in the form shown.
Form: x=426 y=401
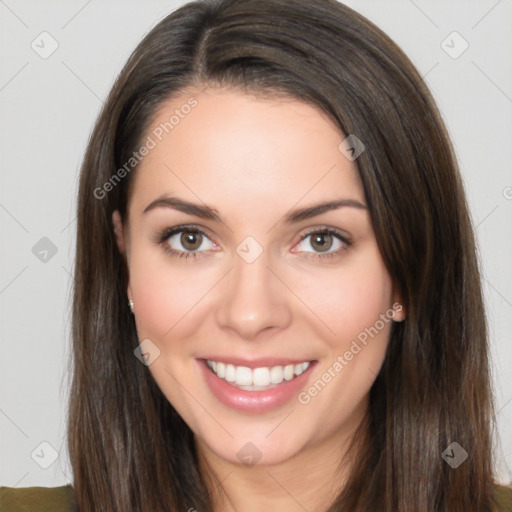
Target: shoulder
x=36 y=499
x=503 y=497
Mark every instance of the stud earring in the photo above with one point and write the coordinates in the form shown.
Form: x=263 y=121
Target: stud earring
x=397 y=308
x=130 y=303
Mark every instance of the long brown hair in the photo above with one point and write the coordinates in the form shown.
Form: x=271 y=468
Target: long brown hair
x=129 y=449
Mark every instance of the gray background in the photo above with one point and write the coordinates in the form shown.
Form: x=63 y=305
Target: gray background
x=48 y=107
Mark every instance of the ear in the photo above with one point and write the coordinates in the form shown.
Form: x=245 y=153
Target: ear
x=118 y=231
x=399 y=312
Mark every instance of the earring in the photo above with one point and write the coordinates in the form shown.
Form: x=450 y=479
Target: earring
x=130 y=303
x=396 y=309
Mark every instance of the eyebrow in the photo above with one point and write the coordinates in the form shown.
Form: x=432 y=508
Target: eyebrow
x=209 y=213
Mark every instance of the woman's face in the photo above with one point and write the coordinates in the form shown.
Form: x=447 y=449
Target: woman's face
x=252 y=278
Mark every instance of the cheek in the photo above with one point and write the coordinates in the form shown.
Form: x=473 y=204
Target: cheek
x=356 y=305
x=361 y=303
x=351 y=299
x=165 y=292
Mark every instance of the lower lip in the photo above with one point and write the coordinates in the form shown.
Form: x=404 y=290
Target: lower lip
x=253 y=401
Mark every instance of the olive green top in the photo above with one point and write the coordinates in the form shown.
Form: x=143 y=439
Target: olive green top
x=36 y=499
x=60 y=499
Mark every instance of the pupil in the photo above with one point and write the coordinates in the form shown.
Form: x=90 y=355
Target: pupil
x=323 y=246
x=190 y=240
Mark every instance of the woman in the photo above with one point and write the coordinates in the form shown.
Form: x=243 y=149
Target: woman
x=277 y=301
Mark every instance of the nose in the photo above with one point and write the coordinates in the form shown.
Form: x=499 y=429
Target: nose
x=253 y=299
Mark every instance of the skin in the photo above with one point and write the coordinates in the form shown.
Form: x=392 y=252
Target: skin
x=254 y=159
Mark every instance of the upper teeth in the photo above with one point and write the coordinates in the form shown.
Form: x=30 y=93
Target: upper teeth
x=244 y=376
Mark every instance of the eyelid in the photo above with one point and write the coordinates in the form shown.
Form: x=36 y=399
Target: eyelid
x=326 y=229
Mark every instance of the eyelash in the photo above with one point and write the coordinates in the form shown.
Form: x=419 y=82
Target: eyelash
x=163 y=236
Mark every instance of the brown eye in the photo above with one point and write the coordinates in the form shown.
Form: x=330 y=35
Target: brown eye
x=321 y=241
x=191 y=240
x=184 y=242
x=324 y=243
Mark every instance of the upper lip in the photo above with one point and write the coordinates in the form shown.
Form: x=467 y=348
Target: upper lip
x=257 y=363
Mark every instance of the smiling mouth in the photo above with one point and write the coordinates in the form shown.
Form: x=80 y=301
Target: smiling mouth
x=256 y=379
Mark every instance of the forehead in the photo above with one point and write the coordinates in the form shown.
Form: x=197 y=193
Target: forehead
x=238 y=152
